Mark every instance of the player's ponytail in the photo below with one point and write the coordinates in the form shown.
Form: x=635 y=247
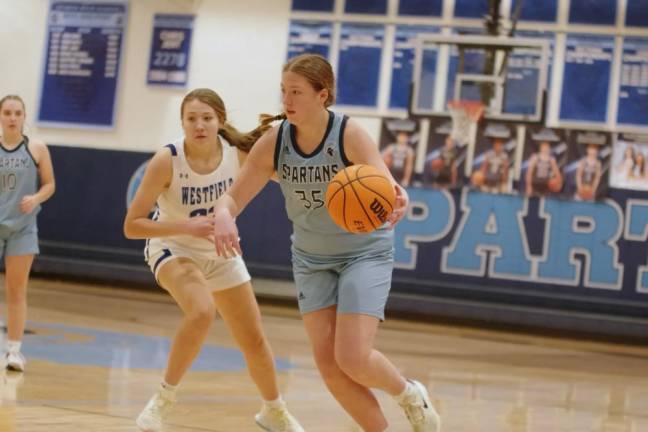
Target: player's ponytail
x=267 y=119
x=243 y=142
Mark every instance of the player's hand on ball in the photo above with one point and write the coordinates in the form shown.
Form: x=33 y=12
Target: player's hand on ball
x=400 y=207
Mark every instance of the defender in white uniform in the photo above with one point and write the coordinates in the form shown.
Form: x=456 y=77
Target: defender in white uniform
x=191 y=195
x=187 y=178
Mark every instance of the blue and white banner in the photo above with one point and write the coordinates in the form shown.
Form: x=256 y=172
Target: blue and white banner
x=169 y=61
x=84 y=42
x=633 y=91
x=309 y=37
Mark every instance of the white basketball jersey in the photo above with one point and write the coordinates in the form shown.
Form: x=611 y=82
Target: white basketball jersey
x=191 y=194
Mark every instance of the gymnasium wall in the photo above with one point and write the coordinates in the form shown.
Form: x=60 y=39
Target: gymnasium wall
x=503 y=259
x=147 y=116
x=518 y=270
x=597 y=52
x=229 y=54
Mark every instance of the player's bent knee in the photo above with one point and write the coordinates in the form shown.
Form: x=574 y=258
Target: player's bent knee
x=354 y=364
x=202 y=315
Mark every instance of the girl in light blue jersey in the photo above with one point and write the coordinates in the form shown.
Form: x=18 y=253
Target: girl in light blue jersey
x=342 y=279
x=26 y=181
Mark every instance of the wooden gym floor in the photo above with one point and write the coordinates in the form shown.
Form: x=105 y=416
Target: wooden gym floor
x=97 y=353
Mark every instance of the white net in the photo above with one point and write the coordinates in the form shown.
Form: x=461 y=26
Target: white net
x=465 y=115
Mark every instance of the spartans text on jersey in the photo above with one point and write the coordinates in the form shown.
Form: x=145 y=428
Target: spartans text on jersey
x=308 y=174
x=14 y=162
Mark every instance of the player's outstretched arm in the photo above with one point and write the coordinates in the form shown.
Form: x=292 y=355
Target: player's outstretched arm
x=255 y=173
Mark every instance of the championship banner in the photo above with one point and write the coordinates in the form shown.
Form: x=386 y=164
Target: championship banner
x=169 y=60
x=84 y=42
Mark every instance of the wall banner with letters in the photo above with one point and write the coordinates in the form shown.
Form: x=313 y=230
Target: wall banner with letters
x=84 y=44
x=169 y=61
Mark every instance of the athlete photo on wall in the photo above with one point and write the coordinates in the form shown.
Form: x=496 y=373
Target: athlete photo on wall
x=445 y=157
x=544 y=157
x=399 y=139
x=629 y=169
x=494 y=153
x=588 y=165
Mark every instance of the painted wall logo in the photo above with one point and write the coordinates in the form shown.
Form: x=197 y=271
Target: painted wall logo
x=575 y=242
x=134 y=182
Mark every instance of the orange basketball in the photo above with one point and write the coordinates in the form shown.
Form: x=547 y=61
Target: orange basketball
x=555 y=184
x=586 y=193
x=437 y=164
x=360 y=198
x=477 y=178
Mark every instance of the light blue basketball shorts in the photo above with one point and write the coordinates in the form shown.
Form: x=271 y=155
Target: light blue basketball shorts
x=356 y=285
x=24 y=241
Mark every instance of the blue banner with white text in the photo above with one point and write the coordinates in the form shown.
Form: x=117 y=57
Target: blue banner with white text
x=84 y=44
x=170 y=49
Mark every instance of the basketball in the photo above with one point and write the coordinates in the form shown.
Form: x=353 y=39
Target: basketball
x=437 y=164
x=555 y=184
x=477 y=178
x=360 y=198
x=586 y=193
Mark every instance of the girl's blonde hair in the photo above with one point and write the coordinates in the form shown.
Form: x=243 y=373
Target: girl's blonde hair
x=243 y=141
x=317 y=71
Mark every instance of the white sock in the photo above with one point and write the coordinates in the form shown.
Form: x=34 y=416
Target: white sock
x=165 y=386
x=409 y=390
x=277 y=403
x=14 y=346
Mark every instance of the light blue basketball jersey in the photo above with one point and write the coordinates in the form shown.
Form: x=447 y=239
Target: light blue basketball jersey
x=304 y=178
x=18 y=177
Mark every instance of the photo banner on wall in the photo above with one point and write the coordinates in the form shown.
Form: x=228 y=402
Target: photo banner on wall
x=84 y=44
x=629 y=168
x=170 y=49
x=399 y=141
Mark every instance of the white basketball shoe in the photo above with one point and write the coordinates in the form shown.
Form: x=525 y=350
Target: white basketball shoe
x=419 y=410
x=15 y=361
x=156 y=410
x=277 y=419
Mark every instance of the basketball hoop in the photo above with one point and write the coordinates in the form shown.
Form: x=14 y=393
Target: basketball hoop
x=465 y=116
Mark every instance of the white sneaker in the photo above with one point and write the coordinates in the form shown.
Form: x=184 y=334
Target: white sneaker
x=277 y=420
x=155 y=411
x=420 y=411
x=15 y=361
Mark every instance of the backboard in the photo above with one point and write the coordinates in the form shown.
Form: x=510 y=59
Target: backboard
x=508 y=75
